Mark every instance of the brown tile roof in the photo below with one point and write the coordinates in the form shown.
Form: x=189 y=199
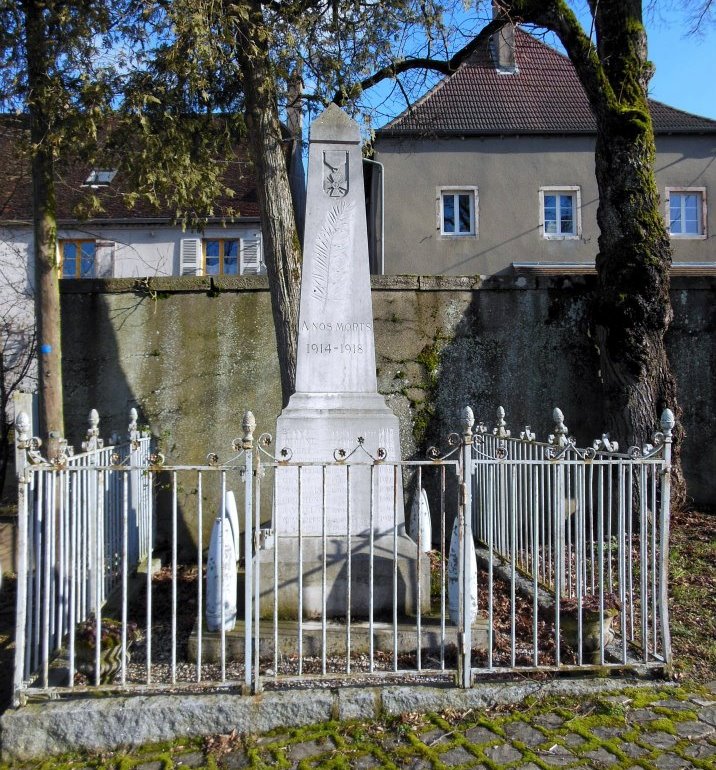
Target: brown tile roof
x=544 y=96
x=15 y=186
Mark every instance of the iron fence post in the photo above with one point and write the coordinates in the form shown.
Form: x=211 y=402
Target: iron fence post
x=22 y=438
x=249 y=425
x=136 y=525
x=468 y=420
x=667 y=427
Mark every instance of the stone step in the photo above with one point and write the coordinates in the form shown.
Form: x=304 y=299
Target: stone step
x=336 y=637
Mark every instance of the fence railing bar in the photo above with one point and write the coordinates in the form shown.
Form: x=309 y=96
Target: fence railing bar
x=200 y=572
x=125 y=575
x=395 y=568
x=630 y=541
x=256 y=577
x=535 y=567
x=621 y=572
x=324 y=569
x=513 y=570
x=150 y=556
x=24 y=595
x=443 y=535
x=664 y=527
x=349 y=564
x=276 y=542
x=600 y=559
x=98 y=574
x=644 y=566
x=300 y=574
x=371 y=577
x=557 y=568
x=174 y=568
x=653 y=516
x=73 y=577
x=569 y=498
x=579 y=516
x=418 y=586
x=610 y=509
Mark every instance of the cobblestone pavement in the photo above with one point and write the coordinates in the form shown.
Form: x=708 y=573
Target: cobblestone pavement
x=665 y=729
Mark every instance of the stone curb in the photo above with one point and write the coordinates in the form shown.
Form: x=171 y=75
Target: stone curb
x=102 y=724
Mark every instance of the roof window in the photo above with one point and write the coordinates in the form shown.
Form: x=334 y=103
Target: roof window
x=100 y=178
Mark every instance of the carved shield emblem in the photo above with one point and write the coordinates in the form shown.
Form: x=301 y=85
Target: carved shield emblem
x=335 y=173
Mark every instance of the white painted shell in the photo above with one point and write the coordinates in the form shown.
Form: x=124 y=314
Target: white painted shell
x=232 y=515
x=420 y=521
x=221 y=531
x=454 y=578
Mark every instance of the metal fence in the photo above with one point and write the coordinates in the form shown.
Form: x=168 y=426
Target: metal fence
x=583 y=533
x=295 y=601
x=82 y=526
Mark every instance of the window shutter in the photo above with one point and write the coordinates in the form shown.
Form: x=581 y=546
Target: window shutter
x=190 y=256
x=251 y=263
x=104 y=259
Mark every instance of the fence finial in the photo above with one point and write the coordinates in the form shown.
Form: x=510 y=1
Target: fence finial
x=93 y=440
x=667 y=422
x=132 y=430
x=501 y=430
x=22 y=428
x=249 y=426
x=560 y=429
x=467 y=420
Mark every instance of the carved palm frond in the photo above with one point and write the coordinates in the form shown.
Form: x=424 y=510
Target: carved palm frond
x=332 y=260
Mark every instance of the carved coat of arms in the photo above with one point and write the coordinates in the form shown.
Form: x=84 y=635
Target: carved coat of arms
x=335 y=173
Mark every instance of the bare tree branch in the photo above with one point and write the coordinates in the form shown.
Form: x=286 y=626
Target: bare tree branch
x=444 y=66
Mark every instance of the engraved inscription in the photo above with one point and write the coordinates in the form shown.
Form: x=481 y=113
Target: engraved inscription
x=336 y=337
x=331 y=263
x=335 y=173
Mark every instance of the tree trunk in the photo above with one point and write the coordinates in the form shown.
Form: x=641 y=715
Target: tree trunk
x=633 y=308
x=282 y=248
x=47 y=288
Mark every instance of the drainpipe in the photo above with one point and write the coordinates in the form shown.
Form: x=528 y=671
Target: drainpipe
x=382 y=211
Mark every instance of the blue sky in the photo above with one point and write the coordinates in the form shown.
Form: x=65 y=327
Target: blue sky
x=685 y=64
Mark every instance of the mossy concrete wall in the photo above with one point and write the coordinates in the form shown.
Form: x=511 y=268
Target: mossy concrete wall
x=193 y=353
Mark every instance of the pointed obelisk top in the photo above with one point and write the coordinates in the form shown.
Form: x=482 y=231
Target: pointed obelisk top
x=334 y=126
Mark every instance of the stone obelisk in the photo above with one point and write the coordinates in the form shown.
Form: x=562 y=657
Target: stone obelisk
x=337 y=403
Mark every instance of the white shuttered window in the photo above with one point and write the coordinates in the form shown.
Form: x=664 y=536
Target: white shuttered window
x=230 y=255
x=190 y=256
x=251 y=255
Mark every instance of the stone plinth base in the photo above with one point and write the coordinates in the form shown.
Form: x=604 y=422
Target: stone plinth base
x=310 y=566
x=333 y=441
x=383 y=638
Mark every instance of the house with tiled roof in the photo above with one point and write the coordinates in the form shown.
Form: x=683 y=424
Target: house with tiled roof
x=126 y=241
x=493 y=170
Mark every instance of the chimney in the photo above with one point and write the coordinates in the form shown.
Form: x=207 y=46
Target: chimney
x=503 y=43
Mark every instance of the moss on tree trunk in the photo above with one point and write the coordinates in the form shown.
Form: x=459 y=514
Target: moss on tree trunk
x=632 y=309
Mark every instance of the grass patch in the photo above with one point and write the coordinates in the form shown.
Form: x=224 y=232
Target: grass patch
x=693 y=594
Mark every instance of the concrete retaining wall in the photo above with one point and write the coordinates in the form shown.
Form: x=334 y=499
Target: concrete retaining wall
x=193 y=354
